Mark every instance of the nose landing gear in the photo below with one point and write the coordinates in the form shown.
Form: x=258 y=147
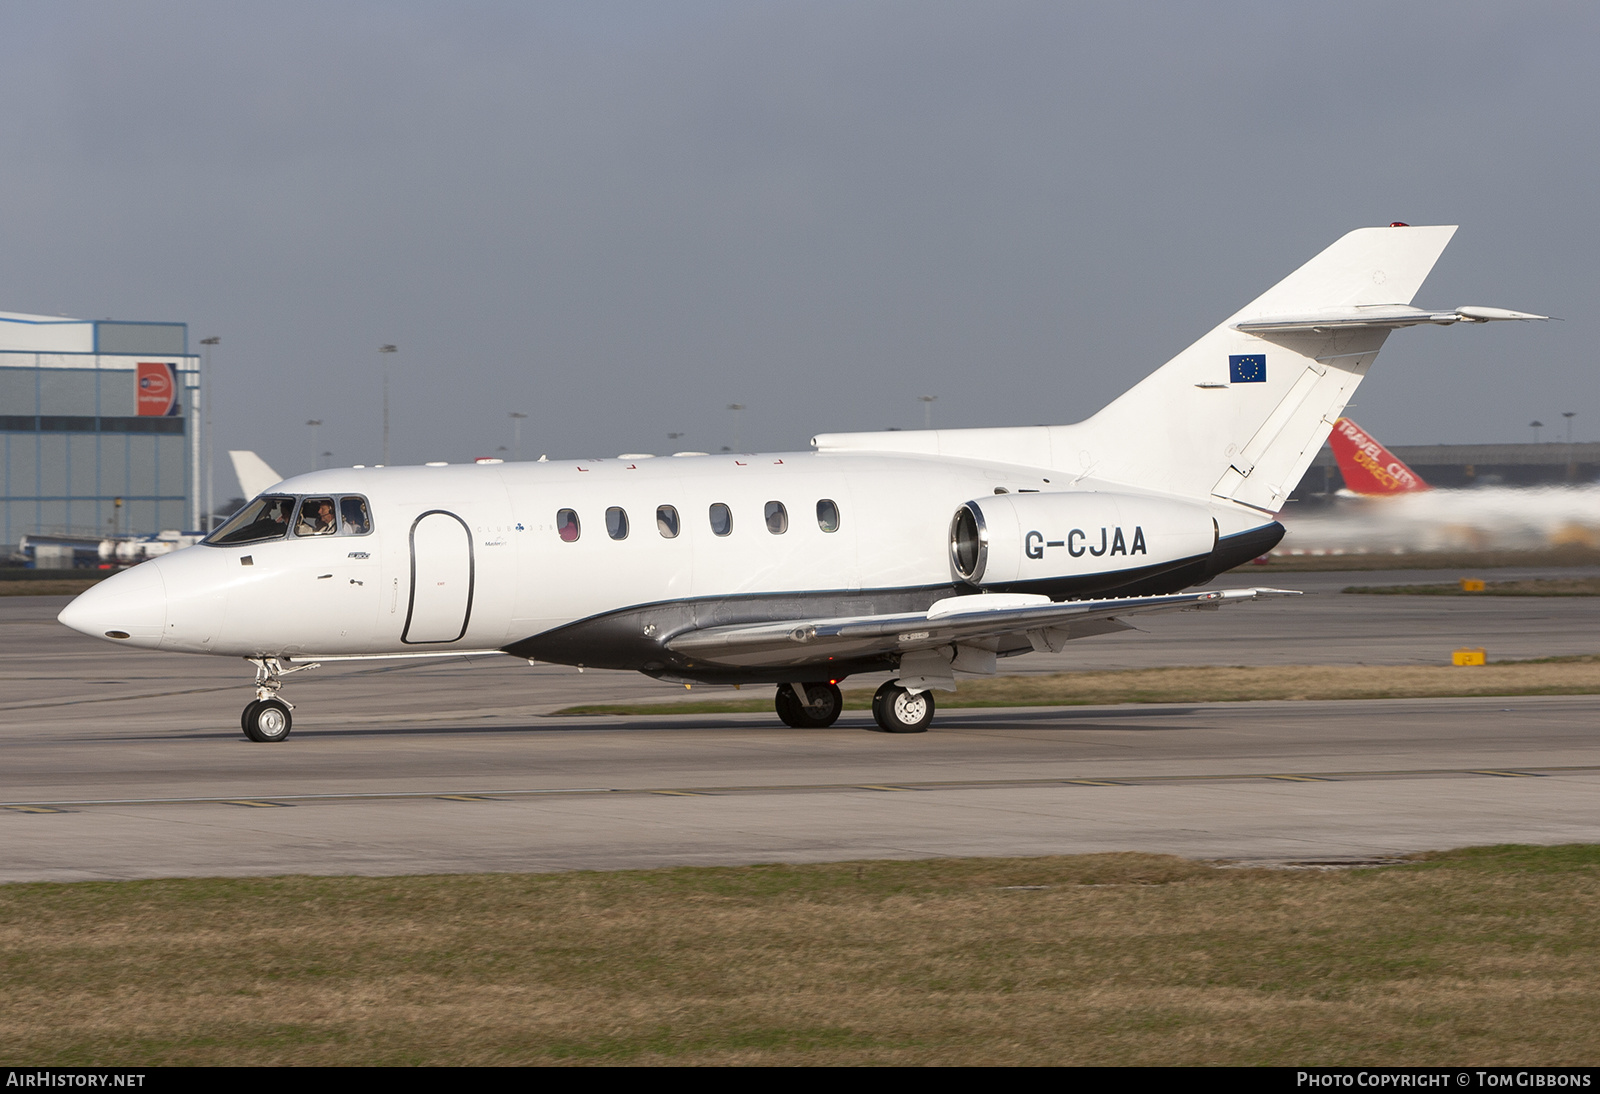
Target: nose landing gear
x=266 y=718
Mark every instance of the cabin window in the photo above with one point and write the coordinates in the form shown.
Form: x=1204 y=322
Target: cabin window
x=354 y=516
x=263 y=519
x=667 y=521
x=827 y=516
x=777 y=518
x=567 y=526
x=721 y=519
x=317 y=518
x=617 y=523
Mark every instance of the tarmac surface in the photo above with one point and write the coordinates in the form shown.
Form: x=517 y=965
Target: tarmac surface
x=125 y=764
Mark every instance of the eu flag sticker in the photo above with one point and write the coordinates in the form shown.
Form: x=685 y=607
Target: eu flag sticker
x=1247 y=368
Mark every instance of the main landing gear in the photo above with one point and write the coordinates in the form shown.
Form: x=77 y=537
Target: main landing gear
x=266 y=718
x=809 y=706
x=897 y=710
x=817 y=706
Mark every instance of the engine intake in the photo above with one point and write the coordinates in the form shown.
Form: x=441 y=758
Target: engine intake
x=1017 y=538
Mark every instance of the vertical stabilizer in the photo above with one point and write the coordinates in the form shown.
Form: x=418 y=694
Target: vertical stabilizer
x=1240 y=414
x=1368 y=467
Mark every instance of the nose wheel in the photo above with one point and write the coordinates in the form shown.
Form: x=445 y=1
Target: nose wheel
x=266 y=718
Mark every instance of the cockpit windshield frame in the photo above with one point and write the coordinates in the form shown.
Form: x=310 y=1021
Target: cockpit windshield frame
x=272 y=516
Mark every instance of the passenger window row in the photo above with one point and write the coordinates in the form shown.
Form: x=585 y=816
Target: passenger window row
x=720 y=516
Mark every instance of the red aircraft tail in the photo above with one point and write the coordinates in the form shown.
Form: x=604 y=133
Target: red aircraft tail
x=1367 y=466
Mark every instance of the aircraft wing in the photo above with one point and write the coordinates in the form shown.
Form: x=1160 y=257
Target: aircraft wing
x=1012 y=620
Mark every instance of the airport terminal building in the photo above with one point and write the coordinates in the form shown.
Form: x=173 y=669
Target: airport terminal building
x=93 y=413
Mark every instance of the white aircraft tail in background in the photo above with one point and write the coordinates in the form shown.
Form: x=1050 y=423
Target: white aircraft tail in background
x=254 y=476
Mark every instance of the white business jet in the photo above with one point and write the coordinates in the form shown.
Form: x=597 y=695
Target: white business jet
x=921 y=554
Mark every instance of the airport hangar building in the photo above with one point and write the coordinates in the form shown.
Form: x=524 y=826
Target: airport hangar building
x=93 y=411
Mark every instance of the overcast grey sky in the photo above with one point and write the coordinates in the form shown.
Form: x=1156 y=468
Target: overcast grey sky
x=618 y=218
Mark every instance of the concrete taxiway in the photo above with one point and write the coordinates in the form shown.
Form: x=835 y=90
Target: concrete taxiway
x=120 y=764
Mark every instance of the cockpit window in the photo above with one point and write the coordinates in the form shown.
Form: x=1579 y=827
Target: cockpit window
x=353 y=511
x=317 y=518
x=267 y=517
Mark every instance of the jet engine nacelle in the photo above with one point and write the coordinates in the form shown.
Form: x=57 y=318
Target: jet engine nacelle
x=1013 y=538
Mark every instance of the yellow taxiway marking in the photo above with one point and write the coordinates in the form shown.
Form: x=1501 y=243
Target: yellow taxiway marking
x=259 y=805
x=679 y=793
x=1091 y=782
x=1297 y=778
x=1508 y=774
x=465 y=798
x=34 y=809
x=865 y=786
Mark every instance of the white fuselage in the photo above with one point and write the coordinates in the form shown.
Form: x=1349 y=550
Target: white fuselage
x=468 y=557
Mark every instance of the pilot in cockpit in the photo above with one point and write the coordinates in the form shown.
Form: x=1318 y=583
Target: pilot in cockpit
x=317 y=518
x=355 y=516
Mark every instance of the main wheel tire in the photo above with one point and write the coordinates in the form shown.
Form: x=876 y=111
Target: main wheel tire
x=896 y=710
x=267 y=720
x=244 y=718
x=827 y=702
x=787 y=705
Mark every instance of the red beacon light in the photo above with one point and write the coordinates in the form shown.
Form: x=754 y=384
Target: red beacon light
x=1398 y=224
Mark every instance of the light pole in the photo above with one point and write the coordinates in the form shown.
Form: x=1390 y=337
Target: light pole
x=516 y=434
x=316 y=442
x=1535 y=426
x=927 y=402
x=385 y=350
x=1572 y=465
x=206 y=381
x=736 y=408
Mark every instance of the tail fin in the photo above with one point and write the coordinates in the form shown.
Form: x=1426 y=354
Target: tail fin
x=1240 y=414
x=254 y=476
x=1367 y=466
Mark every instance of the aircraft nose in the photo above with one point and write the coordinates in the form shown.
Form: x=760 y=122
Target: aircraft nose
x=130 y=607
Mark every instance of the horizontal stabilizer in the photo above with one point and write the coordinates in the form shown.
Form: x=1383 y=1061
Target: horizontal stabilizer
x=954 y=620
x=1376 y=317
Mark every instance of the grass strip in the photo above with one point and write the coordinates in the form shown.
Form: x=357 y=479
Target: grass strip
x=55 y=586
x=1571 y=554
x=1537 y=586
x=1489 y=955
x=1579 y=675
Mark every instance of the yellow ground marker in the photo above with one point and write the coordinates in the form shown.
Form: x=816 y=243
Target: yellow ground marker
x=679 y=793
x=1471 y=585
x=1469 y=656
x=34 y=809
